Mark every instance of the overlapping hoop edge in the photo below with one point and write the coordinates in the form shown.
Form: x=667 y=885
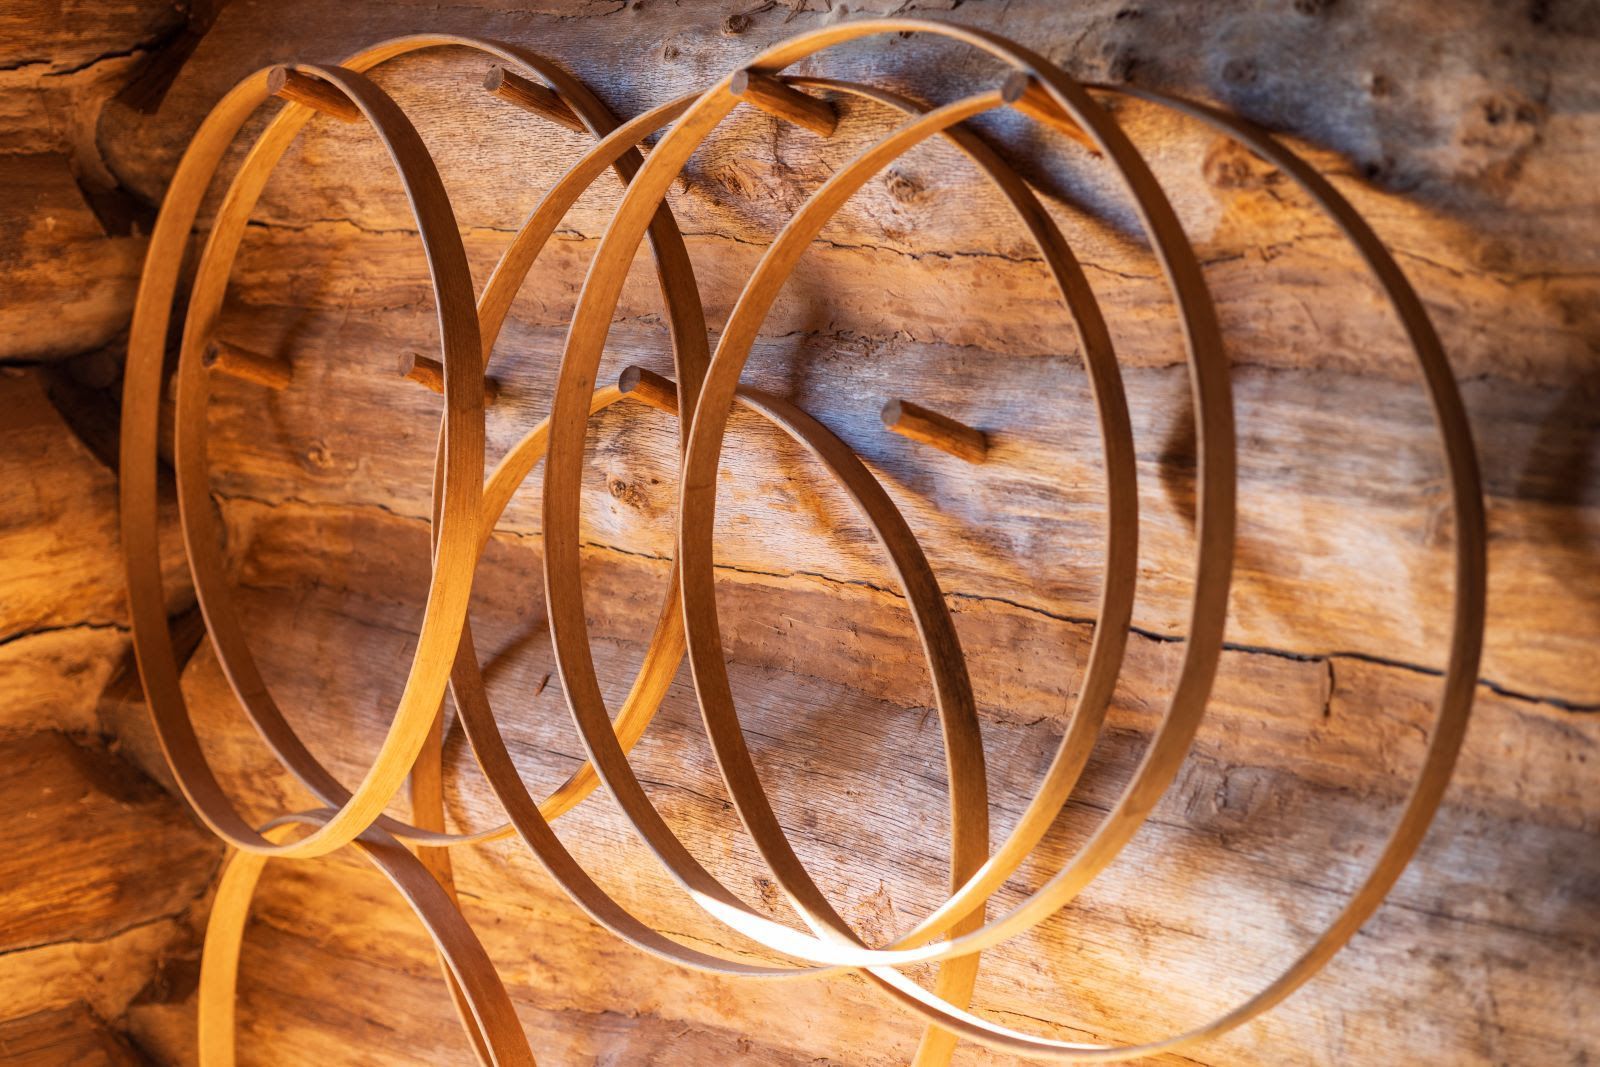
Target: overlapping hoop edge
x=464 y=518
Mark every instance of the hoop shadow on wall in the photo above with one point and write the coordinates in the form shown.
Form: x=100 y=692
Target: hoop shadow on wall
x=467 y=508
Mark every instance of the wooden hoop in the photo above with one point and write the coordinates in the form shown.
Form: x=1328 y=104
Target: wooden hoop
x=491 y=1019
x=466 y=510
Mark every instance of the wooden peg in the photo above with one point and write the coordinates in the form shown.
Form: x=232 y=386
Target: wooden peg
x=648 y=387
x=786 y=102
x=940 y=431
x=236 y=362
x=313 y=93
x=1023 y=92
x=531 y=96
x=430 y=373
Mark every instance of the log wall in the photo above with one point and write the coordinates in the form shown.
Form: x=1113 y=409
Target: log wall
x=1465 y=133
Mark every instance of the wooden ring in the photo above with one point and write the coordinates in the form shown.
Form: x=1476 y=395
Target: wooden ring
x=832 y=945
x=585 y=342
x=464 y=405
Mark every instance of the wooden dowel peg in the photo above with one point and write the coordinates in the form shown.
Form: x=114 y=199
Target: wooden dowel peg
x=1023 y=92
x=940 y=431
x=313 y=93
x=430 y=373
x=236 y=362
x=531 y=96
x=648 y=387
x=786 y=102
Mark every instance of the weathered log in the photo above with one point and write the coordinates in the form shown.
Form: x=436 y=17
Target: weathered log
x=1345 y=534
x=1298 y=769
x=100 y=869
x=65 y=1035
x=59 y=538
x=108 y=973
x=58 y=70
x=54 y=679
x=68 y=284
x=1472 y=159
x=82 y=864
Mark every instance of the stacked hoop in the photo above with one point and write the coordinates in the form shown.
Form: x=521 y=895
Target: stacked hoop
x=467 y=508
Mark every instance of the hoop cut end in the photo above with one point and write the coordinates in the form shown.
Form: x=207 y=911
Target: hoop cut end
x=314 y=93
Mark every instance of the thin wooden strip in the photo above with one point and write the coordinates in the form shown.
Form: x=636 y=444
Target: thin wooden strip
x=456 y=559
x=1442 y=748
x=586 y=340
x=496 y=1034
x=188 y=185
x=955 y=981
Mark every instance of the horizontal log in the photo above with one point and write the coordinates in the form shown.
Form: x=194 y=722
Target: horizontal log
x=53 y=680
x=1283 y=303
x=59 y=46
x=69 y=285
x=100 y=872
x=57 y=73
x=1344 y=541
x=102 y=847
x=1298 y=770
x=59 y=538
x=109 y=973
x=1481 y=206
x=66 y=1035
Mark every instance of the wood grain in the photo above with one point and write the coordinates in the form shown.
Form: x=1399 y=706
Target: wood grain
x=1344 y=474
x=1469 y=159
x=84 y=878
x=1297 y=769
x=68 y=282
x=66 y=1035
x=1469 y=172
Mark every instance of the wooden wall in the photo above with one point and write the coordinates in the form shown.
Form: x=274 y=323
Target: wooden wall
x=1465 y=133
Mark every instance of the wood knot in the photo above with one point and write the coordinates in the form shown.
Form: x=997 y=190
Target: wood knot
x=1241 y=70
x=627 y=493
x=903 y=188
x=1229 y=165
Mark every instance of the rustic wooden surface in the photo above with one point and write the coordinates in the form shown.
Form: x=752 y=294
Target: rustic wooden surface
x=65 y=1035
x=103 y=874
x=1466 y=133
x=1297 y=770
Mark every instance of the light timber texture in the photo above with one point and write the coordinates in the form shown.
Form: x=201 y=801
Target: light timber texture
x=66 y=1035
x=1300 y=764
x=1470 y=156
x=86 y=876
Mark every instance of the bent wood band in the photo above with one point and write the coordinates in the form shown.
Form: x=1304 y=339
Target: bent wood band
x=698 y=395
